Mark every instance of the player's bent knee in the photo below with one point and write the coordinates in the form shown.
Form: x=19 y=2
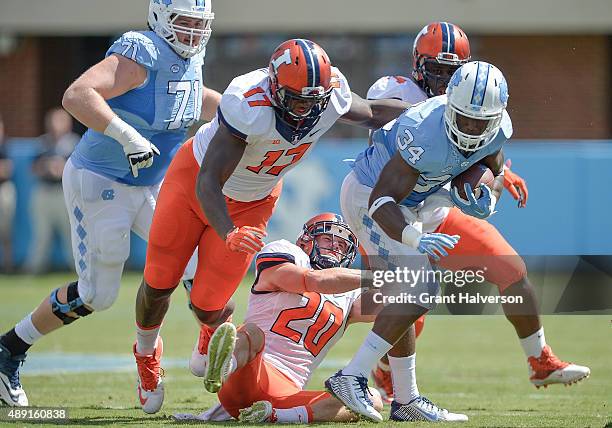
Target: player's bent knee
x=514 y=271
x=73 y=309
x=161 y=276
x=99 y=295
x=256 y=336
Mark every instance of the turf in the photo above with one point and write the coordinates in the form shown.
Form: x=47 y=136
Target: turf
x=469 y=364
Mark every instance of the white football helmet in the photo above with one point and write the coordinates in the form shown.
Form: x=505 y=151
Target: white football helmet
x=164 y=13
x=477 y=90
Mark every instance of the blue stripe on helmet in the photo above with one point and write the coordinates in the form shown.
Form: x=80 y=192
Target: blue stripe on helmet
x=444 y=27
x=312 y=65
x=480 y=84
x=451 y=34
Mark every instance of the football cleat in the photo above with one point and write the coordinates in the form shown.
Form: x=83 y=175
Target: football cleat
x=548 y=369
x=150 y=385
x=11 y=391
x=353 y=391
x=199 y=357
x=260 y=411
x=383 y=383
x=220 y=350
x=421 y=409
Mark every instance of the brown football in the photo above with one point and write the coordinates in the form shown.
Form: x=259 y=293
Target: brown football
x=475 y=175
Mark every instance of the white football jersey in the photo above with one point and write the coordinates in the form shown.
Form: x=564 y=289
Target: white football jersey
x=406 y=89
x=300 y=328
x=246 y=109
x=398 y=87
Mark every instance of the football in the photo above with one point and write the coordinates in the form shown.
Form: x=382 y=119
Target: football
x=477 y=174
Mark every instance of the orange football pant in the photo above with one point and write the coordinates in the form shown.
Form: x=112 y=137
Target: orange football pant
x=179 y=226
x=481 y=247
x=260 y=380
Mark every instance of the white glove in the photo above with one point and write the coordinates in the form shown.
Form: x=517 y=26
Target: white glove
x=138 y=150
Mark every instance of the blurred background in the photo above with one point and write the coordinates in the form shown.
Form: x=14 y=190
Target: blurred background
x=555 y=54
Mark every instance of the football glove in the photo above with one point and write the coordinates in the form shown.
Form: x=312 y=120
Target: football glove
x=246 y=239
x=435 y=244
x=138 y=150
x=515 y=185
x=481 y=208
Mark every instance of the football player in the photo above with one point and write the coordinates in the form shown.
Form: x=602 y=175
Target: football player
x=303 y=298
x=138 y=103
x=439 y=49
x=388 y=197
x=223 y=185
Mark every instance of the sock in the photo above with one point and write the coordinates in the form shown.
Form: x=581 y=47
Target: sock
x=372 y=349
x=293 y=415
x=27 y=331
x=146 y=338
x=403 y=373
x=14 y=344
x=534 y=344
x=384 y=367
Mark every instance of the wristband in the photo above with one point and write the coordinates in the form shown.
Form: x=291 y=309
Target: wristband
x=411 y=236
x=379 y=203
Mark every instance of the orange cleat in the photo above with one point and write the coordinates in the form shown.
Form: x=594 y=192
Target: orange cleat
x=548 y=369
x=150 y=385
x=383 y=383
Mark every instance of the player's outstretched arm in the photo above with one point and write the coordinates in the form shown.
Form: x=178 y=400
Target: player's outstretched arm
x=296 y=279
x=210 y=102
x=222 y=157
x=373 y=114
x=85 y=99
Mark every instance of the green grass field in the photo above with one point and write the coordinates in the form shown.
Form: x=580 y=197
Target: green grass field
x=470 y=364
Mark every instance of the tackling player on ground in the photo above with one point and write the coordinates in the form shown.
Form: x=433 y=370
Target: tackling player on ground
x=138 y=104
x=439 y=49
x=389 y=196
x=223 y=185
x=303 y=298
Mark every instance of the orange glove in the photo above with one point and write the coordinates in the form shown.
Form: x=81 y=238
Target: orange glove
x=515 y=185
x=246 y=239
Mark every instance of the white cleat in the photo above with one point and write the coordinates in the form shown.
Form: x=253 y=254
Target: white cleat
x=548 y=370
x=11 y=391
x=421 y=409
x=353 y=391
x=198 y=362
x=220 y=350
x=260 y=411
x=150 y=385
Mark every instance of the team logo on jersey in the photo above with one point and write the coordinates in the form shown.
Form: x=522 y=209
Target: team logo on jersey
x=175 y=68
x=464 y=164
x=108 y=194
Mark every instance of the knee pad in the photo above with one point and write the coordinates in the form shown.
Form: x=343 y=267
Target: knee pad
x=101 y=295
x=113 y=244
x=73 y=304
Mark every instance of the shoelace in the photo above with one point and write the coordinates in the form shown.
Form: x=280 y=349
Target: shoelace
x=13 y=364
x=362 y=382
x=429 y=406
x=148 y=367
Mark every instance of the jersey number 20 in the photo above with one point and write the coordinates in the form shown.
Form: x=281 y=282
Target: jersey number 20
x=324 y=327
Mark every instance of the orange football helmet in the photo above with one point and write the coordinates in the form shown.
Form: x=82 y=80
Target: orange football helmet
x=341 y=247
x=439 y=49
x=300 y=81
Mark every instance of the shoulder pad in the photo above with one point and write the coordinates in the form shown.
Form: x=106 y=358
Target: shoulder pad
x=341 y=97
x=138 y=47
x=245 y=106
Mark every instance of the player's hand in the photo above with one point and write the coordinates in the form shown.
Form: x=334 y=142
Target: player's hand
x=139 y=152
x=515 y=185
x=435 y=244
x=246 y=239
x=482 y=207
